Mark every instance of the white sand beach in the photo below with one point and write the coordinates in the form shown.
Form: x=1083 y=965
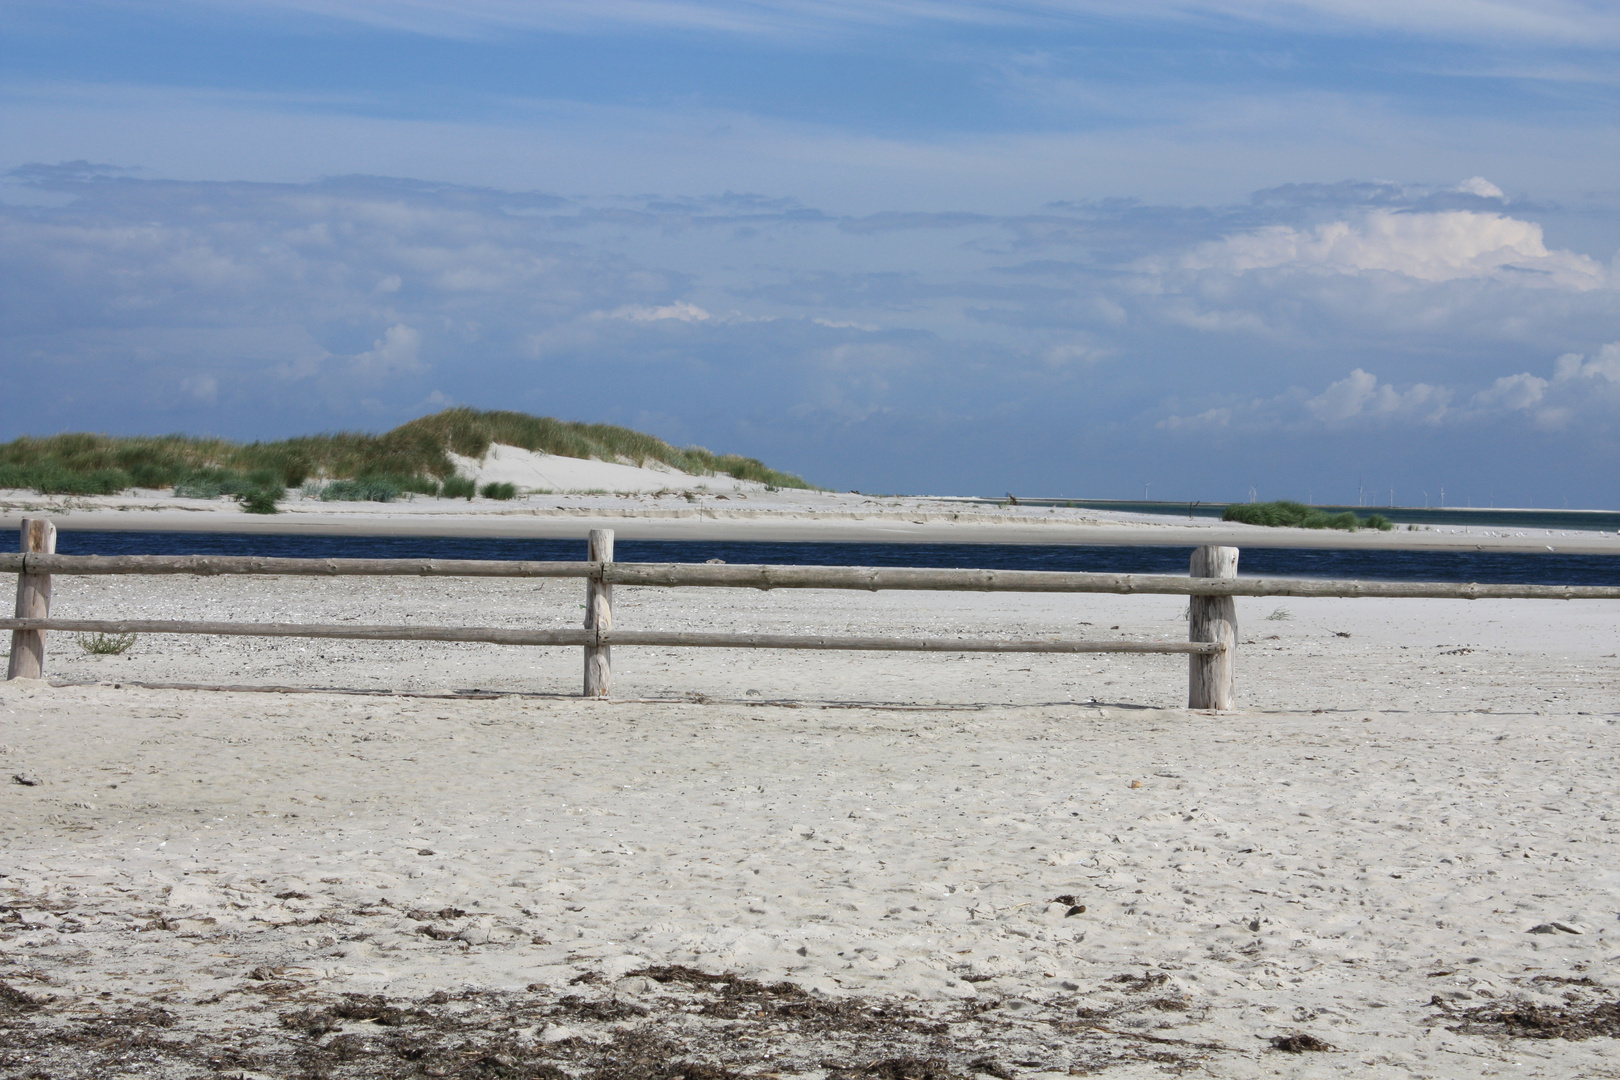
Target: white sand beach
x=1026 y=866
x=658 y=504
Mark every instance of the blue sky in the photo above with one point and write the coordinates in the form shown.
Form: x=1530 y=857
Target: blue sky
x=1050 y=247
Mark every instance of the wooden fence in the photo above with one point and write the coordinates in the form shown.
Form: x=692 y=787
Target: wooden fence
x=1211 y=586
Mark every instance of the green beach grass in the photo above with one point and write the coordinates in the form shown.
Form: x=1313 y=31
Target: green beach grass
x=413 y=457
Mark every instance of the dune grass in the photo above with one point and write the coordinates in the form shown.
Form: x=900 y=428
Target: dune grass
x=459 y=487
x=469 y=433
x=411 y=457
x=1288 y=514
x=104 y=644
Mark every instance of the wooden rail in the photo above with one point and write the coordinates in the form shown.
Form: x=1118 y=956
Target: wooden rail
x=747 y=576
x=1211 y=585
x=210 y=565
x=881 y=578
x=601 y=639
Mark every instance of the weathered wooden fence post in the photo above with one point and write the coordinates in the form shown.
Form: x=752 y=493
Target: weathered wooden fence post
x=599 y=616
x=33 y=602
x=1212 y=618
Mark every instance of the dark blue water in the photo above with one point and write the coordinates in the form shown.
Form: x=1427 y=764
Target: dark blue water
x=1496 y=567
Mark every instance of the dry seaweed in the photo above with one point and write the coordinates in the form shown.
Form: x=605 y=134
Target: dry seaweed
x=1522 y=1020
x=697 y=1026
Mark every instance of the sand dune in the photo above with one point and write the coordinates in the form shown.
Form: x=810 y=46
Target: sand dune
x=532 y=471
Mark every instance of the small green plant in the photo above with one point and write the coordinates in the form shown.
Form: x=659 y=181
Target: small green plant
x=1286 y=513
x=459 y=487
x=105 y=644
x=262 y=500
x=1280 y=615
x=362 y=489
x=499 y=491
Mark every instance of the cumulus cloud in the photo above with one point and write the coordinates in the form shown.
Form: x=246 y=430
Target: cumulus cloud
x=1578 y=384
x=1360 y=399
x=1519 y=391
x=1427 y=247
x=1361 y=395
x=394 y=353
x=1604 y=366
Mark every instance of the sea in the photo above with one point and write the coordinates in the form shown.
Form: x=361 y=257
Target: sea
x=1551 y=568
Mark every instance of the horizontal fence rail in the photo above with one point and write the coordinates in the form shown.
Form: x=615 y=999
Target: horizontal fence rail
x=763 y=577
x=1048 y=581
x=679 y=638
x=1211 y=586
x=599 y=638
x=210 y=565
x=493 y=635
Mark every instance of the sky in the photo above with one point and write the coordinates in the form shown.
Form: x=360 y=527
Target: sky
x=1189 y=249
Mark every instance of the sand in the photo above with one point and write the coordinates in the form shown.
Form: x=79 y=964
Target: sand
x=1406 y=833
x=548 y=473
x=704 y=511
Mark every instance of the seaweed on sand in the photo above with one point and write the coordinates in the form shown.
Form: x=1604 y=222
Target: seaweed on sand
x=683 y=1024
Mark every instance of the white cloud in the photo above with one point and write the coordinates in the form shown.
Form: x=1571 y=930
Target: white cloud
x=1578 y=386
x=1605 y=366
x=392 y=354
x=1511 y=392
x=680 y=311
x=1360 y=395
x=1573 y=374
x=1429 y=247
x=1478 y=185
